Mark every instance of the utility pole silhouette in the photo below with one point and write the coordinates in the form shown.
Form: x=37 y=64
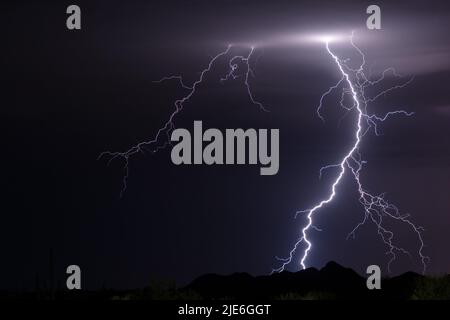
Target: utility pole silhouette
x=51 y=274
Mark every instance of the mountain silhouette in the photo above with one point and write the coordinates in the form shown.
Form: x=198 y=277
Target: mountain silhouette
x=333 y=281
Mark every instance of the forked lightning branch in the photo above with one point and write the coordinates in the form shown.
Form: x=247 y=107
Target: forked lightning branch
x=353 y=84
x=376 y=208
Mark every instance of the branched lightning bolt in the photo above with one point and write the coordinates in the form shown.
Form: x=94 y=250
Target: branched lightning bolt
x=153 y=145
x=376 y=207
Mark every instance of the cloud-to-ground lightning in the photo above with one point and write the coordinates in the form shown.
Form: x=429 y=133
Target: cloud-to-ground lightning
x=376 y=207
x=153 y=145
x=354 y=83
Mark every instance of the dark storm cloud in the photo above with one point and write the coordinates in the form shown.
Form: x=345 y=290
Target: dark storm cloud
x=412 y=38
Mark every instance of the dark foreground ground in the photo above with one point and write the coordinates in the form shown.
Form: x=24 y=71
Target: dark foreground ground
x=329 y=283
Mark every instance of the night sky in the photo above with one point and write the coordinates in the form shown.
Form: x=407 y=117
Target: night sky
x=67 y=96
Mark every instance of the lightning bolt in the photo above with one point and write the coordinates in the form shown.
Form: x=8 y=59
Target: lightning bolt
x=235 y=64
x=376 y=207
